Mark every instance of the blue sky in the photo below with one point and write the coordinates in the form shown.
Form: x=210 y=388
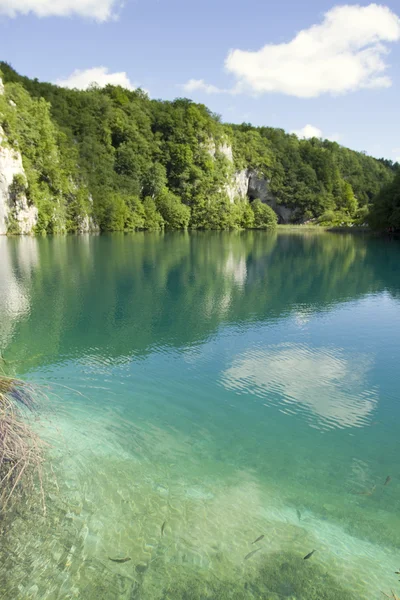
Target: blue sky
x=341 y=76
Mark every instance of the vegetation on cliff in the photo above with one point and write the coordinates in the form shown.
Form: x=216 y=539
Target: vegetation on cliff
x=128 y=162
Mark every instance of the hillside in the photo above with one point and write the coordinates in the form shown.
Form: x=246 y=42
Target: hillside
x=385 y=212
x=114 y=160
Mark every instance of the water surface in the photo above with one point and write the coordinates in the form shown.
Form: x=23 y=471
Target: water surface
x=226 y=386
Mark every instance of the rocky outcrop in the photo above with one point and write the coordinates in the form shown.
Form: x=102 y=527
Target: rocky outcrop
x=87 y=224
x=248 y=184
x=259 y=187
x=238 y=186
x=226 y=150
x=14 y=207
x=15 y=212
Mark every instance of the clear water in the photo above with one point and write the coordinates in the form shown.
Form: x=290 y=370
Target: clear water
x=208 y=389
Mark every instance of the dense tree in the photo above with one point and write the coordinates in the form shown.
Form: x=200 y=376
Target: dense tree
x=134 y=163
x=264 y=216
x=175 y=214
x=385 y=213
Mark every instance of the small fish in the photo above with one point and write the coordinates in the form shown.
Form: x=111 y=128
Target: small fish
x=388 y=480
x=258 y=539
x=250 y=554
x=298 y=514
x=120 y=560
x=309 y=555
x=163 y=527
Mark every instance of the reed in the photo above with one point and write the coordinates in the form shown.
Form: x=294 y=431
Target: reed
x=21 y=449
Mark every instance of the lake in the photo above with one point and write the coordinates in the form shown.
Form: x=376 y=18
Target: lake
x=205 y=390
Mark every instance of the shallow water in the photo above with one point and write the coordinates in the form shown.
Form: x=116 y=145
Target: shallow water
x=208 y=389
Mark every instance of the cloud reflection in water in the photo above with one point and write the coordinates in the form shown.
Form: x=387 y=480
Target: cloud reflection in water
x=329 y=383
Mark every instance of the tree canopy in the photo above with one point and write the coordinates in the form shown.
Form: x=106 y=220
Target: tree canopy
x=385 y=213
x=129 y=162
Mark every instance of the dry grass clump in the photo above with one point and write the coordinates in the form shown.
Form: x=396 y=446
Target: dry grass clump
x=21 y=450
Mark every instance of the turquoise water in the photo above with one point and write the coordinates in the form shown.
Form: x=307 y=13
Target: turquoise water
x=207 y=389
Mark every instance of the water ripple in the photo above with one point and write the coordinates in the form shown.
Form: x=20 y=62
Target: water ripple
x=329 y=384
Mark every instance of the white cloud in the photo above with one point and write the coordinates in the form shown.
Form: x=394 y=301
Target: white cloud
x=310 y=131
x=199 y=85
x=100 y=76
x=396 y=154
x=100 y=10
x=344 y=53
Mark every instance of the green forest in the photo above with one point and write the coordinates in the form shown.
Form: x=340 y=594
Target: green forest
x=121 y=161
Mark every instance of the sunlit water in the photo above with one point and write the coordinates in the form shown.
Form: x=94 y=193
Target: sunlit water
x=206 y=390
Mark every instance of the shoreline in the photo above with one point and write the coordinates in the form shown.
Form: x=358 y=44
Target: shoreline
x=279 y=227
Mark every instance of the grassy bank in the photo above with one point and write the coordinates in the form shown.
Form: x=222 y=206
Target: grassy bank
x=21 y=450
x=322 y=229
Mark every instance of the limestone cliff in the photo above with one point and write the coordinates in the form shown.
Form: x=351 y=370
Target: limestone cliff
x=259 y=187
x=248 y=184
x=15 y=212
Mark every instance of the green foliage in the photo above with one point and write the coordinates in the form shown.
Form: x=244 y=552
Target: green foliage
x=347 y=201
x=264 y=216
x=247 y=216
x=18 y=185
x=251 y=149
x=155 y=180
x=335 y=218
x=117 y=213
x=153 y=219
x=136 y=216
x=362 y=215
x=120 y=149
x=13 y=227
x=315 y=176
x=216 y=211
x=175 y=214
x=30 y=129
x=385 y=212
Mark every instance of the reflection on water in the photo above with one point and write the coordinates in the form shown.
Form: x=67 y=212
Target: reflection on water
x=209 y=389
x=327 y=382
x=177 y=289
x=14 y=303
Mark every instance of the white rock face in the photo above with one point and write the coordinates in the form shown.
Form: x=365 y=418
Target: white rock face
x=10 y=165
x=238 y=186
x=248 y=185
x=226 y=150
x=210 y=147
x=26 y=216
x=87 y=224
